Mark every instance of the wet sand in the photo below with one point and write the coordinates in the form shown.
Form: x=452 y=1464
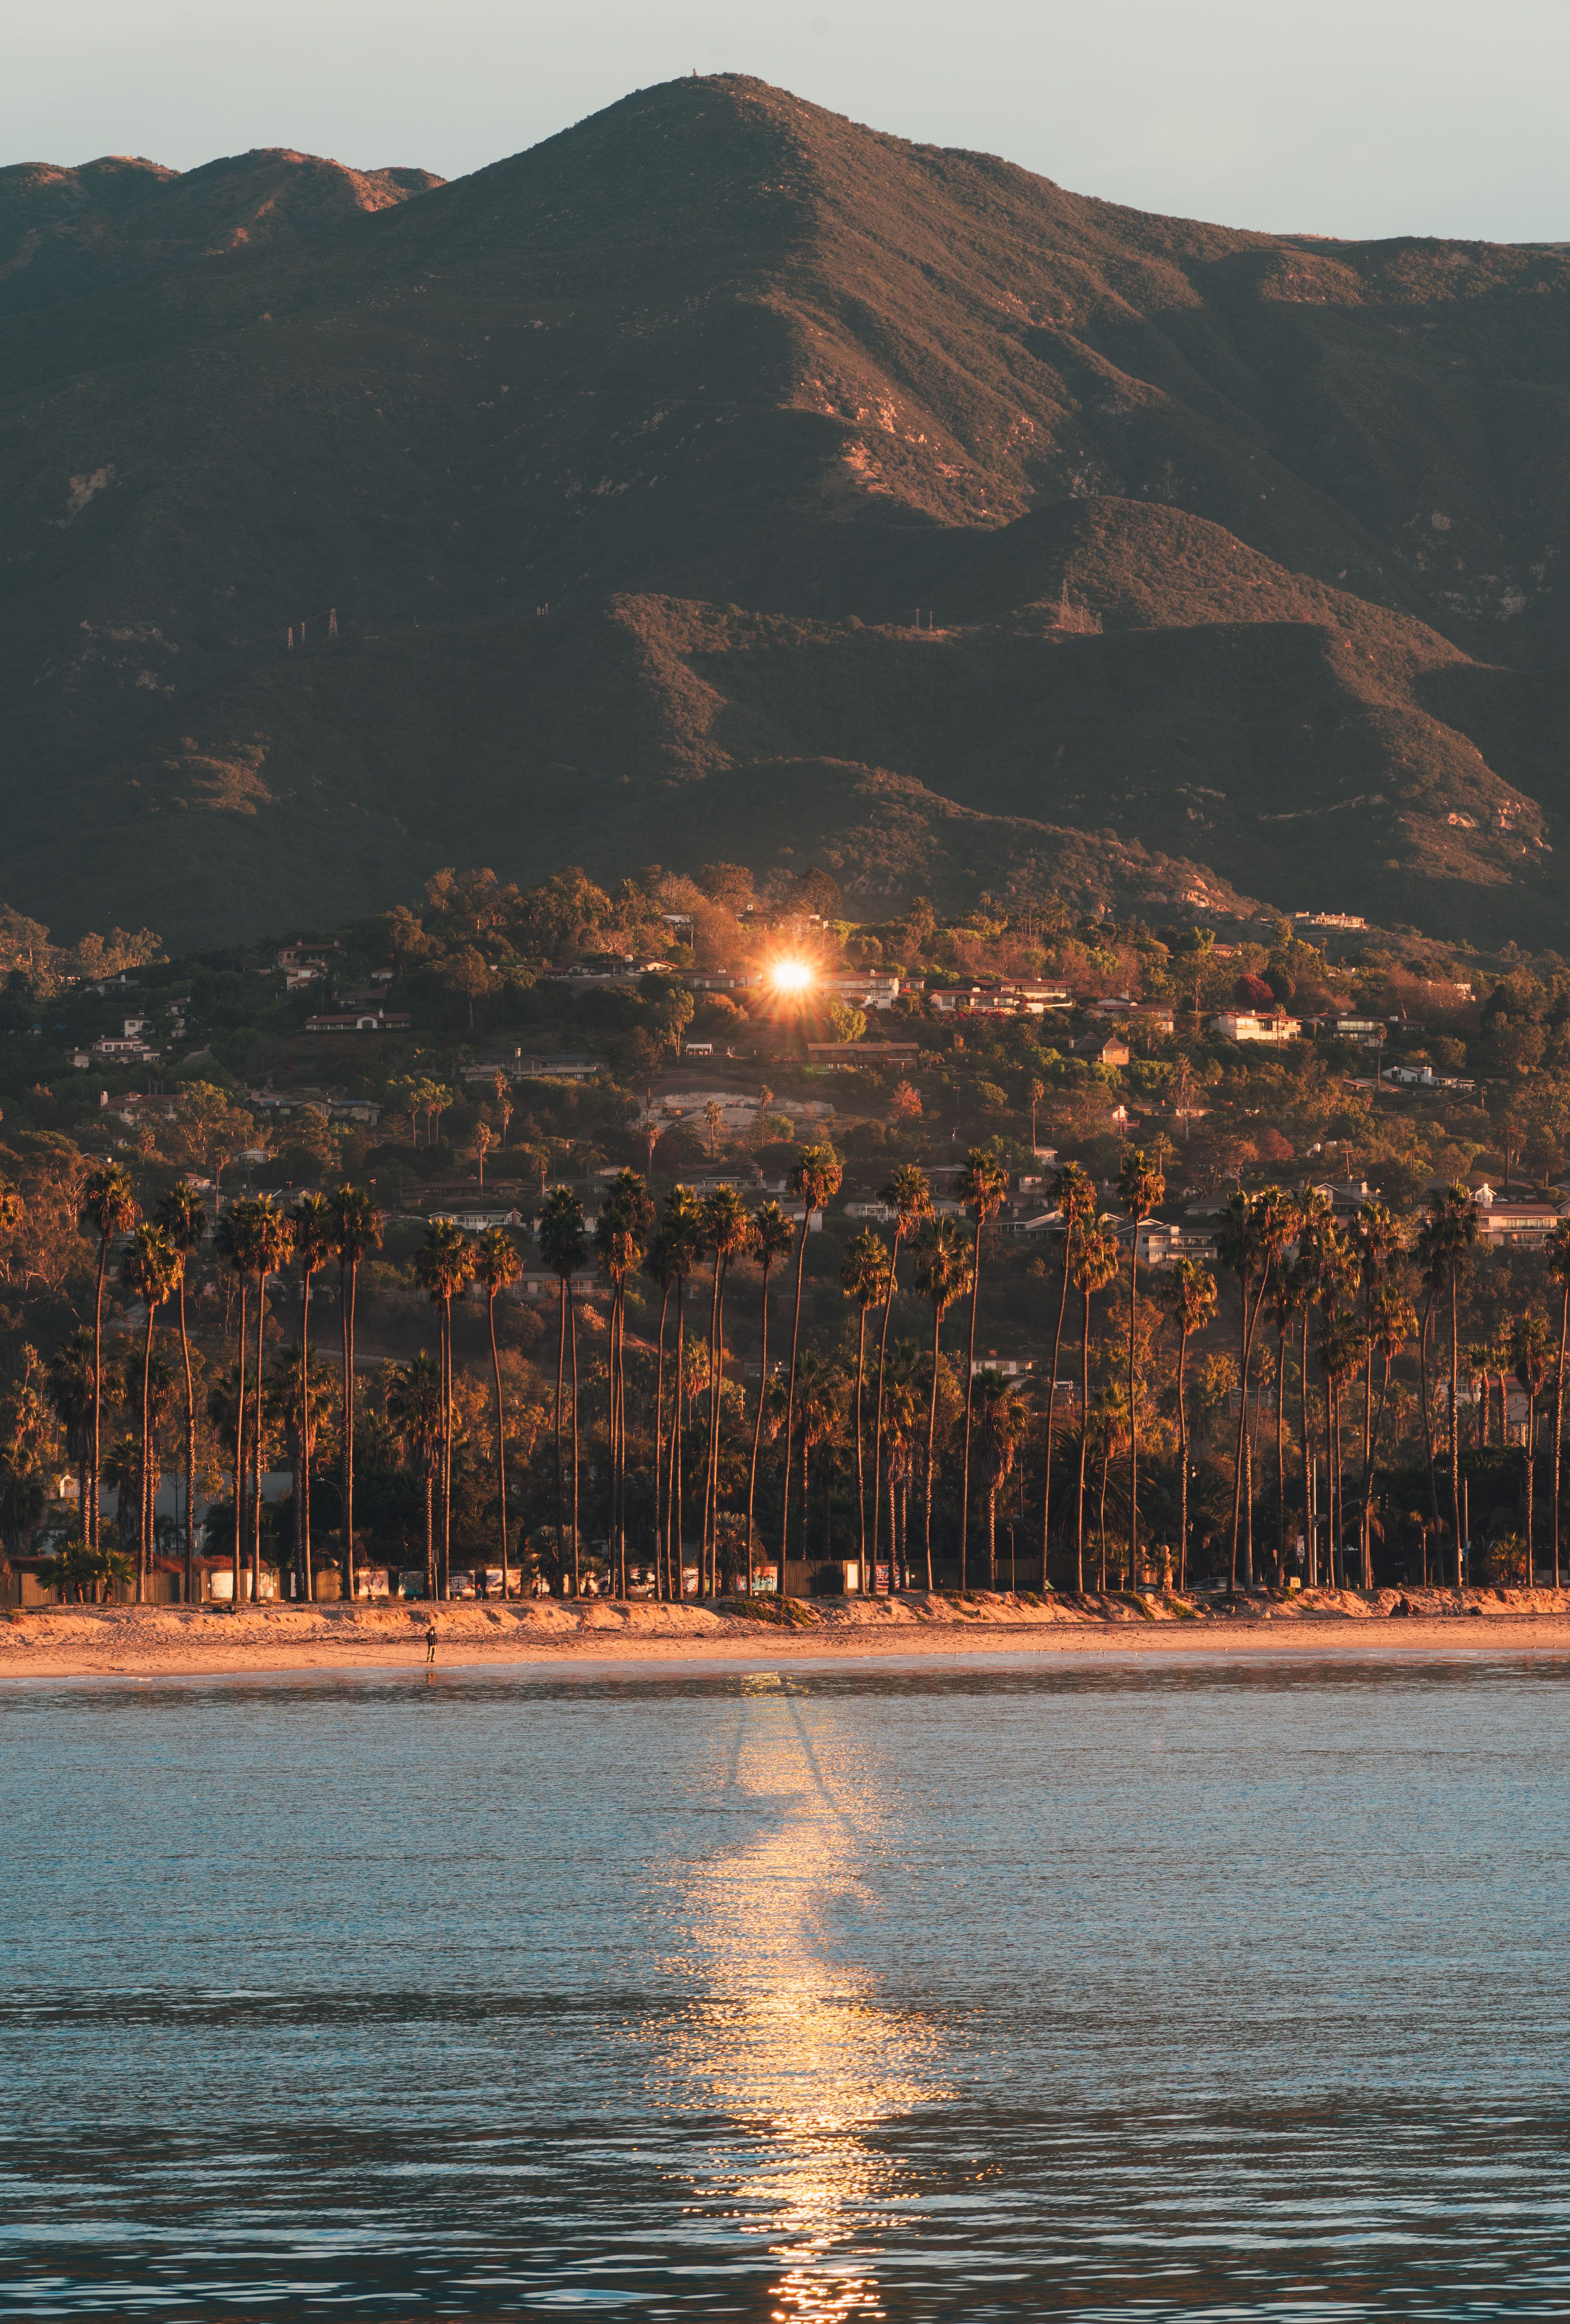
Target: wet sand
x=169 y=1641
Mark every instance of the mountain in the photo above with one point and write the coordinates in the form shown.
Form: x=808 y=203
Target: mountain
x=622 y=467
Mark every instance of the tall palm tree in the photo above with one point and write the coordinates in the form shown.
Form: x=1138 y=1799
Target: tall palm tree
x=1001 y=1423
x=149 y=1271
x=236 y=1240
x=1377 y=1246
x=1559 y=1257
x=942 y=1276
x=1289 y=1295
x=660 y=1264
x=1188 y=1293
x=315 y=1242
x=1094 y=1266
x=770 y=1244
x=1394 y=1323
x=621 y=1234
x=1141 y=1190
x=1312 y=1214
x=1242 y=1245
x=275 y=1243
x=1444 y=1244
x=983 y=1188
x=413 y=1398
x=814 y=1181
x=909 y=1194
x=108 y=1204
x=184 y=1222
x=865 y=1276
x=72 y=1373
x=445 y=1265
x=564 y=1248
x=1531 y=1361
x=681 y=1227
x=497 y=1267
x=356 y=1230
x=727 y=1228
x=1073 y=1197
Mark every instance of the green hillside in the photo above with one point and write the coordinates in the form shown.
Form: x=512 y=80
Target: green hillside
x=1243 y=549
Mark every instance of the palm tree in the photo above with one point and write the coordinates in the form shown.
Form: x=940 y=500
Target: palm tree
x=661 y=1266
x=1141 y=1190
x=413 y=1398
x=274 y=1233
x=1002 y=1422
x=149 y=1271
x=108 y=1204
x=1094 y=1266
x=1444 y=1242
x=814 y=1181
x=564 y=1248
x=909 y=1197
x=865 y=1276
x=621 y=1238
x=983 y=1187
x=1531 y=1361
x=1342 y=1342
x=1394 y=1322
x=1378 y=1245
x=1033 y=1097
x=184 y=1222
x=445 y=1265
x=1558 y=1255
x=942 y=1276
x=356 y=1230
x=1311 y=1216
x=504 y=1089
x=497 y=1267
x=237 y=1238
x=1188 y=1293
x=681 y=1227
x=71 y=1375
x=771 y=1243
x=727 y=1228
x=1075 y=1198
x=315 y=1242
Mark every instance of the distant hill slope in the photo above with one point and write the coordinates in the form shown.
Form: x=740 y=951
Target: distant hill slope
x=734 y=386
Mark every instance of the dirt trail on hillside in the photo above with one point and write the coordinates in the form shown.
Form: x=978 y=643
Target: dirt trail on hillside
x=165 y=1641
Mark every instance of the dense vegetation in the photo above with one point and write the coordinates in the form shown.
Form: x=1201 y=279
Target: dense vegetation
x=282 y=1210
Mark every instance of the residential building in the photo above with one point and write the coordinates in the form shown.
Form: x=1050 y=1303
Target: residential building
x=1329 y=921
x=573 y=1065
x=1104 y=1048
x=1156 y=1015
x=366 y=1020
x=1514 y=1217
x=1246 y=1025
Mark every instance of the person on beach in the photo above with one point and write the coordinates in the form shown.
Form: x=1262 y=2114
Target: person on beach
x=430 y=1641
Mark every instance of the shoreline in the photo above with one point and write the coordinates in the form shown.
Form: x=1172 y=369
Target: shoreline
x=146 y=1642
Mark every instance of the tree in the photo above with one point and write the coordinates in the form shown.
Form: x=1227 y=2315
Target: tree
x=1188 y=1294
x=770 y=1244
x=727 y=1228
x=1093 y=1265
x=236 y=1240
x=983 y=1187
x=672 y=1258
x=905 y=1104
x=865 y=1276
x=72 y=1374
x=1377 y=1245
x=1444 y=1244
x=814 y=1181
x=274 y=1244
x=497 y=1267
x=445 y=1265
x=908 y=1195
x=621 y=1234
x=411 y=1397
x=943 y=1275
x=1141 y=1189
x=356 y=1230
x=1558 y=1259
x=564 y=1248
x=1075 y=1198
x=504 y=1107
x=108 y=1206
x=184 y=1222
x=315 y=1243
x=1034 y=1094
x=1000 y=1422
x=482 y=1146
x=468 y=977
x=149 y=1272
x=1531 y=1361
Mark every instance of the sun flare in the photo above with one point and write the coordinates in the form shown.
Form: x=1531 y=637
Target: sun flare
x=791 y=975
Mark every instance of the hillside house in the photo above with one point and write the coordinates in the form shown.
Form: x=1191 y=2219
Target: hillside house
x=364 y=1020
x=1105 y=1048
x=1273 y=1027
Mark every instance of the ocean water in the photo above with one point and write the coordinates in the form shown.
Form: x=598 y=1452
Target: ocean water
x=971 y=1989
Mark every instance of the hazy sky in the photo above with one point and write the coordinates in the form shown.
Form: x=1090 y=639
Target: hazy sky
x=1340 y=116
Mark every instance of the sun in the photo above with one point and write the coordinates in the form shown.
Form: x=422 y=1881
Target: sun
x=789 y=975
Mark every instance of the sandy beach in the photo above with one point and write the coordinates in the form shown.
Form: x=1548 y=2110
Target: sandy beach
x=164 y=1641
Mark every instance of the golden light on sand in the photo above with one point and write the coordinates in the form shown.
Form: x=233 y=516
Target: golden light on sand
x=791 y=975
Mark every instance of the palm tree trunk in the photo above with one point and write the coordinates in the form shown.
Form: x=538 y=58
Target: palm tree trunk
x=561 y=1297
x=1559 y=1418
x=706 y=1575
x=931 y=1439
x=969 y=1400
x=1052 y=1408
x=345 y=1444
x=673 y=1497
x=190 y=1453
x=500 y=1443
x=661 y=1562
x=757 y=1427
x=430 y=1534
x=445 y=1446
x=240 y=1441
x=349 y=1416
x=1366 y=1526
x=1083 y=1439
x=1280 y=1457
x=572 y=1334
x=1309 y=1542
x=256 y=1447
x=94 y=1512
x=878 y=1423
x=145 y=1544
x=1182 y=1462
x=1427 y=1404
x=1531 y=1450
x=1454 y=1445
x=1134 y=1421
x=861 y=1449
x=1101 y=1515
x=302 y=1490
x=790 y=1402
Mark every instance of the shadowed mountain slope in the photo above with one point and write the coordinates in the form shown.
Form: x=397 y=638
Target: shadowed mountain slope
x=715 y=349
